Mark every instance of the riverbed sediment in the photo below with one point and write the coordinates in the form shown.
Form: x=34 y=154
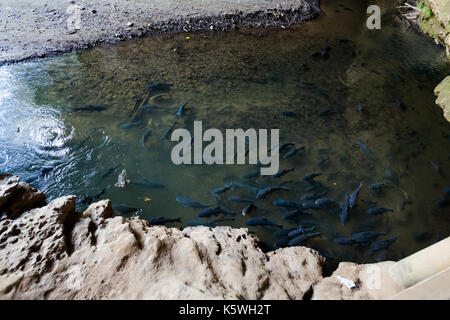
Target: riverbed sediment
x=42 y=28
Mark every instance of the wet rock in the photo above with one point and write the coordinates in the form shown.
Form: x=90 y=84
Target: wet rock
x=54 y=252
x=442 y=92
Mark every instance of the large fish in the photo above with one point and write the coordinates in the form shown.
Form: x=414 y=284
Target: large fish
x=286 y=204
x=377 y=211
x=188 y=203
x=264 y=192
x=262 y=222
x=344 y=210
x=302 y=238
x=354 y=196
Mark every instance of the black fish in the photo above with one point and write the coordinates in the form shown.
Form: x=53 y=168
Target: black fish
x=89 y=199
x=248 y=209
x=312 y=176
x=293 y=152
x=238 y=185
x=286 y=204
x=302 y=238
x=214 y=211
x=264 y=192
x=148 y=184
x=262 y=222
x=354 y=196
x=290 y=114
x=344 y=241
x=377 y=210
x=281 y=173
x=222 y=189
x=400 y=104
x=188 y=203
x=382 y=244
x=365 y=236
x=365 y=149
x=145 y=137
x=239 y=199
x=110 y=171
x=91 y=108
x=324 y=202
x=314 y=186
x=168 y=132
x=251 y=174
x=125 y=126
x=124 y=209
x=312 y=196
x=159 y=86
x=292 y=214
x=309 y=205
x=344 y=210
x=181 y=110
x=301 y=230
x=162 y=220
x=284 y=146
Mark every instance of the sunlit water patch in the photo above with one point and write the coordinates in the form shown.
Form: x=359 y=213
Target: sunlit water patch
x=363 y=108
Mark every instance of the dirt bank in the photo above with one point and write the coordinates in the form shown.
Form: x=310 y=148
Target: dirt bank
x=40 y=28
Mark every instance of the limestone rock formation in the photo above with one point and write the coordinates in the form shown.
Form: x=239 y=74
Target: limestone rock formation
x=442 y=92
x=55 y=252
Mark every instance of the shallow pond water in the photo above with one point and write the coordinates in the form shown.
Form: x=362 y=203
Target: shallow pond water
x=377 y=86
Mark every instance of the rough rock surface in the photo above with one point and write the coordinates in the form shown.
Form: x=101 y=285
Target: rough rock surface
x=37 y=28
x=442 y=92
x=54 y=252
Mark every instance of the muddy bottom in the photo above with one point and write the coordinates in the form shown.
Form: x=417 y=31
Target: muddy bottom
x=364 y=111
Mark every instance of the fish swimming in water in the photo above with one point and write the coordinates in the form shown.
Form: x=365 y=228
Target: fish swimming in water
x=180 y=111
x=344 y=209
x=290 y=114
x=284 y=146
x=343 y=241
x=309 y=205
x=251 y=174
x=168 y=132
x=215 y=221
x=124 y=209
x=237 y=185
x=354 y=196
x=312 y=176
x=312 y=196
x=292 y=214
x=122 y=180
x=91 y=108
x=301 y=230
x=281 y=173
x=188 y=203
x=377 y=188
x=262 y=222
x=145 y=137
x=239 y=199
x=437 y=168
x=109 y=171
x=248 y=209
x=125 y=126
x=264 y=192
x=377 y=211
x=314 y=185
x=162 y=220
x=221 y=189
x=365 y=149
x=286 y=204
x=365 y=236
x=323 y=202
x=214 y=211
x=382 y=244
x=159 y=86
x=302 y=238
x=148 y=184
x=89 y=199
x=293 y=152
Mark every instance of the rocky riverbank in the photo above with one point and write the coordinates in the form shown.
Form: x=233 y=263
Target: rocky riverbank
x=41 y=28
x=51 y=251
